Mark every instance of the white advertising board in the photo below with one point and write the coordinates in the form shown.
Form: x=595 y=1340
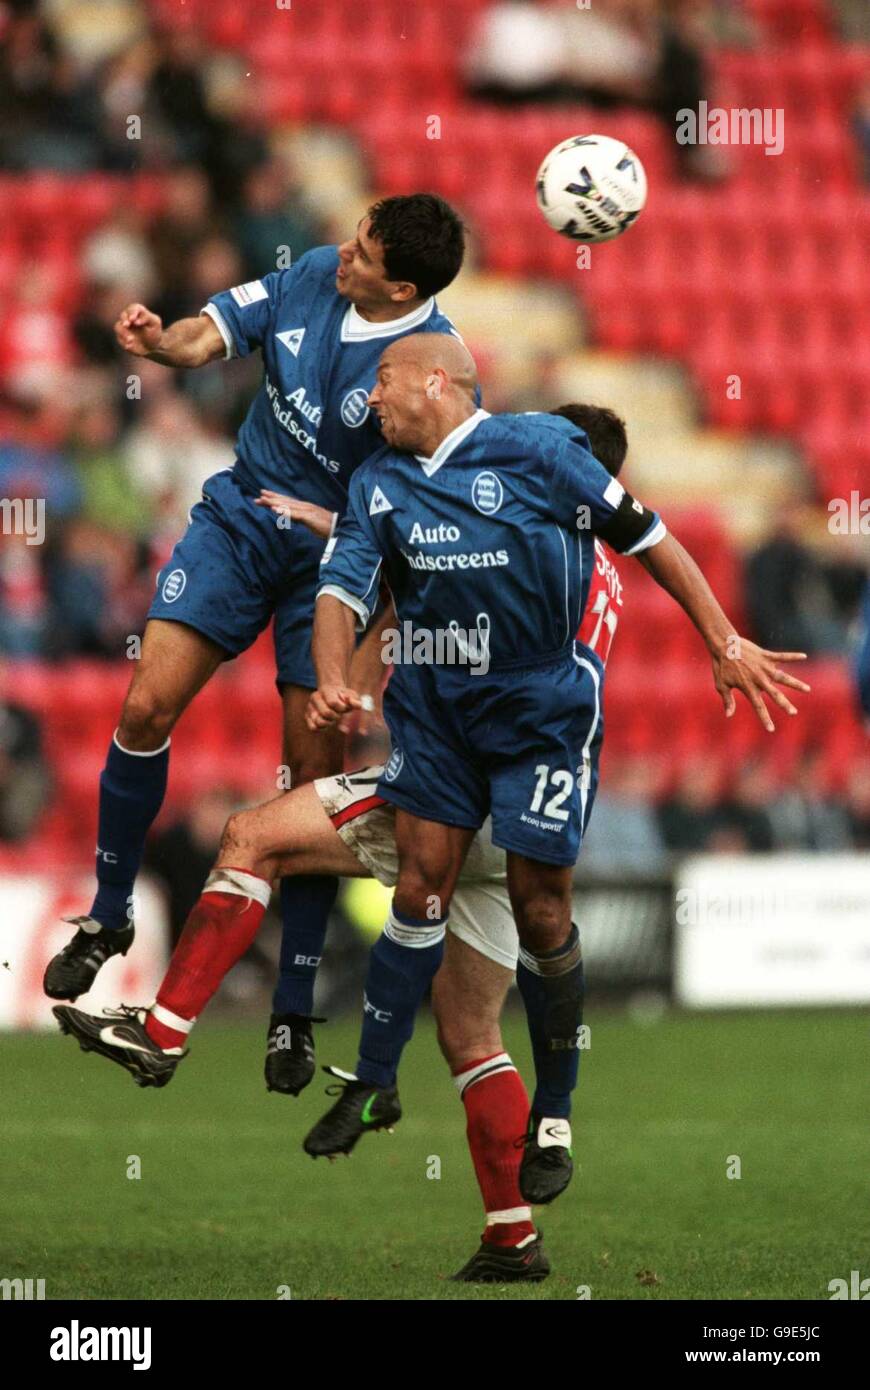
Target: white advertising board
x=772 y=929
x=31 y=932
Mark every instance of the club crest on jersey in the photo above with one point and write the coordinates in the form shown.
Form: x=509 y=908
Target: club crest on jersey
x=173 y=586
x=487 y=493
x=292 y=339
x=379 y=503
x=393 y=765
x=354 y=408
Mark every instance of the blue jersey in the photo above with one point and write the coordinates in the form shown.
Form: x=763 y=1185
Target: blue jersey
x=495 y=532
x=309 y=427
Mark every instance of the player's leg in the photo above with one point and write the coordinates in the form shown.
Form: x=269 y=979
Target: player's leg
x=440 y=801
x=541 y=802
x=290 y=834
x=175 y=663
x=550 y=980
x=306 y=902
x=467 y=998
x=402 y=964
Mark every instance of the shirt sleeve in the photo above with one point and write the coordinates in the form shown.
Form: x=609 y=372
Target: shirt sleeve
x=585 y=497
x=243 y=315
x=351 y=564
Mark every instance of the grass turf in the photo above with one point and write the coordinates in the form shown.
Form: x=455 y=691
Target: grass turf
x=228 y=1205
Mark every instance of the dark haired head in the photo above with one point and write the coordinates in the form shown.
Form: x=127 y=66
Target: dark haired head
x=606 y=432
x=423 y=240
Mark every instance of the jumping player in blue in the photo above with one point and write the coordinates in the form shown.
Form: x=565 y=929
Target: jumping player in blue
x=321 y=327
x=483 y=526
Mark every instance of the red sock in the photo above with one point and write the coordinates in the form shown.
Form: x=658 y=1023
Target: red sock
x=497 y=1109
x=217 y=933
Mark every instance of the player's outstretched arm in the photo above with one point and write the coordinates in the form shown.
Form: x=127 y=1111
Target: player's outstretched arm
x=332 y=647
x=187 y=343
x=738 y=664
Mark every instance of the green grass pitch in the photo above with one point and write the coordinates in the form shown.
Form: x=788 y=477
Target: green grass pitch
x=228 y=1206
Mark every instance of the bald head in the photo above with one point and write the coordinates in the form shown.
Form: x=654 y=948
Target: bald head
x=426 y=386
x=431 y=352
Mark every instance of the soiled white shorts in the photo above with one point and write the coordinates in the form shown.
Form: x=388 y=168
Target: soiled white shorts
x=480 y=913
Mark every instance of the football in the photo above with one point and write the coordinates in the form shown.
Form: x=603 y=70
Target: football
x=591 y=188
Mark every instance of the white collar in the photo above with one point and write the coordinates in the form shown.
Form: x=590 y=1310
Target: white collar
x=451 y=442
x=355 y=328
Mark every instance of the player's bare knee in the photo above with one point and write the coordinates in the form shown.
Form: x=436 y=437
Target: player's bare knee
x=146 y=720
x=240 y=846
x=543 y=921
x=421 y=896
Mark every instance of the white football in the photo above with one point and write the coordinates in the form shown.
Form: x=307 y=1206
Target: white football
x=591 y=188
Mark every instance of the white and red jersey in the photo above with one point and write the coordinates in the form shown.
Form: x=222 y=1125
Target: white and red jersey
x=603 y=606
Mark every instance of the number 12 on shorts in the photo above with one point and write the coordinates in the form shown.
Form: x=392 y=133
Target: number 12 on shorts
x=560 y=783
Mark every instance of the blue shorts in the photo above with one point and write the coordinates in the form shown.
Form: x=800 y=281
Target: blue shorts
x=234 y=568
x=522 y=745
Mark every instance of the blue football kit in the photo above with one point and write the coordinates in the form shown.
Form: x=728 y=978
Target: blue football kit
x=307 y=430
x=490 y=543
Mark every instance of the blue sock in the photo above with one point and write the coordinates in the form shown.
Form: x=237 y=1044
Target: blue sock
x=306 y=903
x=402 y=964
x=552 y=988
x=132 y=788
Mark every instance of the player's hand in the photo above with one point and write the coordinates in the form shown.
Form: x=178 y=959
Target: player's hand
x=367 y=675
x=138 y=330
x=756 y=673
x=317 y=519
x=329 y=704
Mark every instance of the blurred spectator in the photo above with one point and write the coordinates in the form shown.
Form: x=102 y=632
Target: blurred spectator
x=215 y=265
x=25 y=608
x=118 y=254
x=100 y=589
x=110 y=498
x=516 y=53
x=862 y=660
x=804 y=817
x=31 y=466
x=24 y=780
x=744 y=814
x=862 y=127
x=169 y=455
x=176 y=95
x=270 y=217
x=610 y=50
x=187 y=220
x=682 y=80
x=49 y=116
x=858 y=805
x=623 y=831
x=789 y=602
x=689 y=817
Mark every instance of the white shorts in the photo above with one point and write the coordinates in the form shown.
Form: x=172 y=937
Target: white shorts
x=480 y=913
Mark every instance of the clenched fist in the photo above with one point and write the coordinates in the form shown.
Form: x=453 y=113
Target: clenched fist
x=138 y=330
